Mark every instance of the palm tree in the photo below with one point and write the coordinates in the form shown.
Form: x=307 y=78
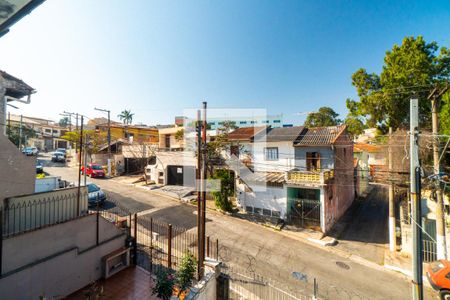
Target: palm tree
x=126 y=116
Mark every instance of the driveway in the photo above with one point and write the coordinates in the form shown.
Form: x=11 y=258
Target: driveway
x=366 y=232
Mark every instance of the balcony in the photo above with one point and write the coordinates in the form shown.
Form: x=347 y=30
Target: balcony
x=309 y=177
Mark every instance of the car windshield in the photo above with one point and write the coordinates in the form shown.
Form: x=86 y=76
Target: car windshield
x=92 y=188
x=59 y=153
x=96 y=167
x=28 y=149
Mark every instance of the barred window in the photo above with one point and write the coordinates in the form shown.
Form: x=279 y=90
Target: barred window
x=267 y=212
x=271 y=153
x=276 y=213
x=249 y=209
x=257 y=210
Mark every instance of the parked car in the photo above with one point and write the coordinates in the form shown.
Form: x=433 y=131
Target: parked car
x=30 y=151
x=62 y=150
x=58 y=157
x=438 y=274
x=39 y=168
x=93 y=170
x=95 y=194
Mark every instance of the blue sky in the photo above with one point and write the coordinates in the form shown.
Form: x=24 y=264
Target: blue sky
x=160 y=57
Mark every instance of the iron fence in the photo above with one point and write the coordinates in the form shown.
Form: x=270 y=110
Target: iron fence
x=22 y=214
x=156 y=244
x=161 y=245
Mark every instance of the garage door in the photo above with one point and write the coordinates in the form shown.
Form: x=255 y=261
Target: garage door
x=181 y=175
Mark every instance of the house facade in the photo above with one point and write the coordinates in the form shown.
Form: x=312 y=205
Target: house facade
x=301 y=175
x=168 y=139
x=134 y=133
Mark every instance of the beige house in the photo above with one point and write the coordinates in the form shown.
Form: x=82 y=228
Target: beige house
x=168 y=138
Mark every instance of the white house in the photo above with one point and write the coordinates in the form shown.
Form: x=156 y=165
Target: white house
x=301 y=175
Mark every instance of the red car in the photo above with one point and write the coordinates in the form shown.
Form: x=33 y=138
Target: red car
x=438 y=274
x=93 y=170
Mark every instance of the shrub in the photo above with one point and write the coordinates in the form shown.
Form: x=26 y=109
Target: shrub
x=186 y=272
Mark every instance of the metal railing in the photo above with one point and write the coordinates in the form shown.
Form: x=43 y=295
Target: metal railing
x=23 y=214
x=309 y=176
x=429 y=252
x=156 y=244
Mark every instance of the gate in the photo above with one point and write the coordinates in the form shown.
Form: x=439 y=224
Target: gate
x=237 y=284
x=305 y=213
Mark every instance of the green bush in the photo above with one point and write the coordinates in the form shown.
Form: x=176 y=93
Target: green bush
x=226 y=189
x=186 y=272
x=165 y=282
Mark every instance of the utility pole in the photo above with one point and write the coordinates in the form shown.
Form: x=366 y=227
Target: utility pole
x=79 y=166
x=417 y=288
x=199 y=195
x=392 y=237
x=441 y=246
x=204 y=177
x=20 y=132
x=9 y=125
x=109 y=138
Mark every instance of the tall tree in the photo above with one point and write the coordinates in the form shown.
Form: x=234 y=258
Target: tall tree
x=410 y=68
x=126 y=116
x=325 y=116
x=63 y=122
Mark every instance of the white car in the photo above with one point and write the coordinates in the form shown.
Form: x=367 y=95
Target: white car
x=30 y=151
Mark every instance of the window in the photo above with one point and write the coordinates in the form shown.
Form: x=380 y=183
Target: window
x=277 y=121
x=257 y=210
x=312 y=161
x=243 y=122
x=276 y=213
x=220 y=123
x=249 y=209
x=55 y=131
x=267 y=212
x=252 y=122
x=266 y=121
x=234 y=150
x=271 y=153
x=48 y=130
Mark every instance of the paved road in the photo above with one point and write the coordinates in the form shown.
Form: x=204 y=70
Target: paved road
x=255 y=248
x=367 y=230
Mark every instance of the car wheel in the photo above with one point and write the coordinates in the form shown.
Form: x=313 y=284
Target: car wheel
x=444 y=294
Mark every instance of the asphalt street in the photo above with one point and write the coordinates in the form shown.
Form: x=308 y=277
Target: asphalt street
x=255 y=248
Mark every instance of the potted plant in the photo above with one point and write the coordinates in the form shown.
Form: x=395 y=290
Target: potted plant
x=185 y=274
x=165 y=282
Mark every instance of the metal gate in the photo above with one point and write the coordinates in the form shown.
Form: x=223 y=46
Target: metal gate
x=305 y=213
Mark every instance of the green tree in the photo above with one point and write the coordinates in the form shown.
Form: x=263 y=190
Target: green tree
x=221 y=197
x=410 y=68
x=354 y=125
x=63 y=122
x=13 y=133
x=444 y=115
x=325 y=116
x=92 y=139
x=179 y=135
x=126 y=116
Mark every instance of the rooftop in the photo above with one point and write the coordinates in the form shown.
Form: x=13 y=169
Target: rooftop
x=245 y=133
x=15 y=87
x=320 y=136
x=282 y=134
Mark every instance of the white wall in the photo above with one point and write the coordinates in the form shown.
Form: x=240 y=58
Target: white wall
x=272 y=198
x=57 y=260
x=286 y=157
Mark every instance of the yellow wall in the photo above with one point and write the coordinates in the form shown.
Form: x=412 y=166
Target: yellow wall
x=148 y=135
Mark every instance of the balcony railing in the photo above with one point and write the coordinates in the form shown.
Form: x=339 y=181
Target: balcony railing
x=299 y=177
